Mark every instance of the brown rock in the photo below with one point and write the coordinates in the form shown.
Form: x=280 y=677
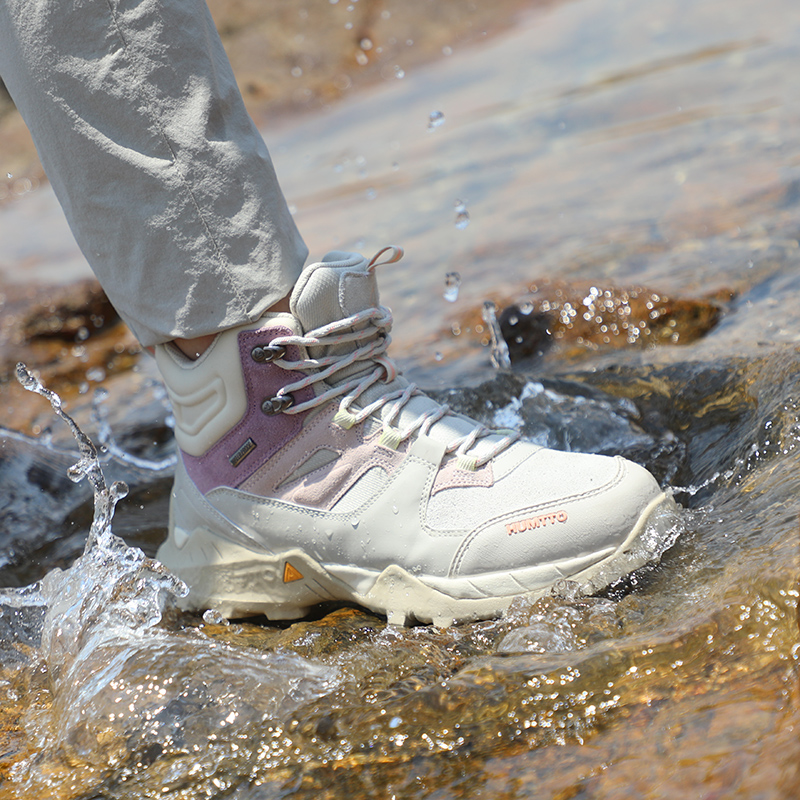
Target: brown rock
x=581 y=316
x=71 y=336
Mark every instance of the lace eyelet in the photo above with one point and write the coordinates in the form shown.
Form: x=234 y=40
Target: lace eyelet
x=277 y=404
x=265 y=353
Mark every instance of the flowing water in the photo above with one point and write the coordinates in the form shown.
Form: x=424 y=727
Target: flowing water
x=610 y=143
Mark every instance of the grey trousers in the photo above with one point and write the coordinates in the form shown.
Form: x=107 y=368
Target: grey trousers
x=167 y=185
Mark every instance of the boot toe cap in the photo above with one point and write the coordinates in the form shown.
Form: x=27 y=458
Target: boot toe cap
x=596 y=509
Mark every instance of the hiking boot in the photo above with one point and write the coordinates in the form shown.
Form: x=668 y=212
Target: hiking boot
x=311 y=471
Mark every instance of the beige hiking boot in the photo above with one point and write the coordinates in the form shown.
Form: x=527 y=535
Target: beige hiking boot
x=311 y=471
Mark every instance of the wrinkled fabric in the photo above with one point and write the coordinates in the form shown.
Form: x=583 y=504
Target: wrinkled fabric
x=165 y=181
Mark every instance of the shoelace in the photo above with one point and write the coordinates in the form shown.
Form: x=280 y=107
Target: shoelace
x=341 y=332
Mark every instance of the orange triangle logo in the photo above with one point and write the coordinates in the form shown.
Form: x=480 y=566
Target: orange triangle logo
x=291 y=574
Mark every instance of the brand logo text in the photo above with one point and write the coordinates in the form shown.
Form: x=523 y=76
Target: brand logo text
x=541 y=521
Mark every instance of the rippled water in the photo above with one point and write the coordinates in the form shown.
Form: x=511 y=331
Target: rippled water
x=616 y=143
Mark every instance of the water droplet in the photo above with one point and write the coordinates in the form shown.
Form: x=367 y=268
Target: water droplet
x=361 y=58
x=96 y=374
x=82 y=334
x=355 y=522
x=366 y=44
x=399 y=73
x=438 y=356
x=214 y=617
x=447 y=50
x=462 y=215
x=452 y=283
x=395 y=722
x=394 y=509
x=297 y=72
x=435 y=120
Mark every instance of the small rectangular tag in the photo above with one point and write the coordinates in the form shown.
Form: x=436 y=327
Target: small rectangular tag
x=242 y=453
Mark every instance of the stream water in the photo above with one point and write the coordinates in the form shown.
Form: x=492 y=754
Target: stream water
x=605 y=142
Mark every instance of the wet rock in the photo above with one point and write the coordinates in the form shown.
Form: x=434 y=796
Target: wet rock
x=36 y=496
x=71 y=313
x=45 y=517
x=565 y=414
x=580 y=317
x=70 y=335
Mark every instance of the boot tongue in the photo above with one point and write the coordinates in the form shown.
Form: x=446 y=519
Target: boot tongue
x=338 y=287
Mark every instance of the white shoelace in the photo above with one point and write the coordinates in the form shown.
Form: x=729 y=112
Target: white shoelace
x=340 y=332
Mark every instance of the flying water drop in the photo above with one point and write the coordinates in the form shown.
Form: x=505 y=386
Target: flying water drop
x=435 y=120
x=462 y=215
x=452 y=283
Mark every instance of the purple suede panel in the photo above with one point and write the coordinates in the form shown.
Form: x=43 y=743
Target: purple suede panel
x=269 y=432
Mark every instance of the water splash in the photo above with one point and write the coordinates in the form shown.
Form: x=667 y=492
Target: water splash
x=108 y=442
x=550 y=626
x=128 y=691
x=499 y=349
x=106 y=497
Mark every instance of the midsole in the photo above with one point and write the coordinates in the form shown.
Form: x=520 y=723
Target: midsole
x=219 y=564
